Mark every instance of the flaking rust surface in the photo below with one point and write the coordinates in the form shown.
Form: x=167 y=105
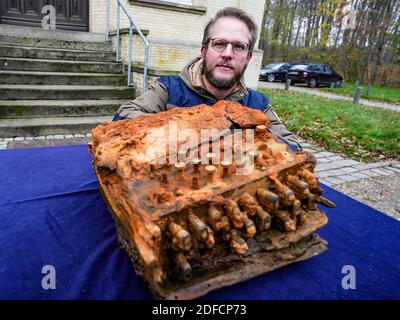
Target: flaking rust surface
x=193 y=221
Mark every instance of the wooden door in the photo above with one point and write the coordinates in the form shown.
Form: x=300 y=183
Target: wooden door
x=70 y=14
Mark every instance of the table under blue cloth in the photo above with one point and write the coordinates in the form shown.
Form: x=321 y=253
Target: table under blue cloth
x=52 y=213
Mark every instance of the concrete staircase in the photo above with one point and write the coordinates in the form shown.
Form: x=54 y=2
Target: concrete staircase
x=57 y=82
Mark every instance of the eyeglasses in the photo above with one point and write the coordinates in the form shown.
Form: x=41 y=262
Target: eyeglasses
x=238 y=47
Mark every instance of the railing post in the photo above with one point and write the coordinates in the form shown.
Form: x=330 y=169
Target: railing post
x=146 y=61
x=146 y=44
x=108 y=21
x=130 y=55
x=117 y=59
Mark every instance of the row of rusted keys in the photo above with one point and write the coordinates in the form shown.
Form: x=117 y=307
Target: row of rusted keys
x=240 y=220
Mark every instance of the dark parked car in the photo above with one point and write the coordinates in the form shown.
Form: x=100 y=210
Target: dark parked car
x=274 y=71
x=313 y=74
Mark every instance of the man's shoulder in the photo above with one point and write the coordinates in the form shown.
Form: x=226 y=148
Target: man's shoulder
x=257 y=94
x=257 y=99
x=171 y=81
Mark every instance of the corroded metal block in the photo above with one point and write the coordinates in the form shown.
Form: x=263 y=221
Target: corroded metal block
x=199 y=209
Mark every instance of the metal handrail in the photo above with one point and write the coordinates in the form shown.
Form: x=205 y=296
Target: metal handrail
x=131 y=26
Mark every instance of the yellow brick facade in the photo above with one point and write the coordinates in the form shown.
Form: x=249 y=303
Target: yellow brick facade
x=174 y=36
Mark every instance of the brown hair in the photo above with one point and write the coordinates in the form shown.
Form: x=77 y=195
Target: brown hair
x=234 y=13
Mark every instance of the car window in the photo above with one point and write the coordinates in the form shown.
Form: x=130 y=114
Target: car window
x=316 y=68
x=286 y=66
x=300 y=67
x=328 y=69
x=271 y=66
x=276 y=66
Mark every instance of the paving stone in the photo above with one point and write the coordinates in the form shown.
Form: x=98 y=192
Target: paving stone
x=49 y=137
x=3 y=145
x=371 y=173
x=394 y=169
x=325 y=182
x=381 y=164
x=89 y=135
x=389 y=172
x=336 y=172
x=381 y=172
x=333 y=181
x=339 y=163
x=360 y=175
x=349 y=169
x=68 y=136
x=348 y=178
x=59 y=136
x=351 y=162
x=40 y=138
x=395 y=165
x=326 y=154
x=29 y=138
x=364 y=166
x=320 y=155
x=1 y=139
x=323 y=160
x=335 y=158
x=323 y=174
x=79 y=135
x=324 y=166
x=8 y=139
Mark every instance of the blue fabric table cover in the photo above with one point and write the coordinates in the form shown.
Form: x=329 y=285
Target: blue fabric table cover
x=52 y=213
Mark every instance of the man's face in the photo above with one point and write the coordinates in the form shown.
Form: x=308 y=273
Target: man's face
x=224 y=69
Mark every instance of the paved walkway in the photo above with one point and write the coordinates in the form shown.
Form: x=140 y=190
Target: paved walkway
x=44 y=141
x=297 y=88
x=333 y=169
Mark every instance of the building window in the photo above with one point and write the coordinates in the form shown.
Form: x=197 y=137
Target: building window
x=174 y=5
x=189 y=2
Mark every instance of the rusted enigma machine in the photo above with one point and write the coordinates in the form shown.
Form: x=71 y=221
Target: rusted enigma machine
x=193 y=219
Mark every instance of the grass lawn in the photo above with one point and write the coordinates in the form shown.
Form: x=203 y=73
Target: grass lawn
x=356 y=131
x=384 y=94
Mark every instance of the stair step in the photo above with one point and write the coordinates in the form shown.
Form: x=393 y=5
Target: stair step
x=49 y=126
x=61 y=78
x=55 y=54
x=64 y=92
x=28 y=41
x=66 y=35
x=58 y=108
x=27 y=64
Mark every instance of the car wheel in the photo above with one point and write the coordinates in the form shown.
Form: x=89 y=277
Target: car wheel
x=338 y=83
x=312 y=83
x=271 y=77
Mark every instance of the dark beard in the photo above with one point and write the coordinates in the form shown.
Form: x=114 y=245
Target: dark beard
x=222 y=84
